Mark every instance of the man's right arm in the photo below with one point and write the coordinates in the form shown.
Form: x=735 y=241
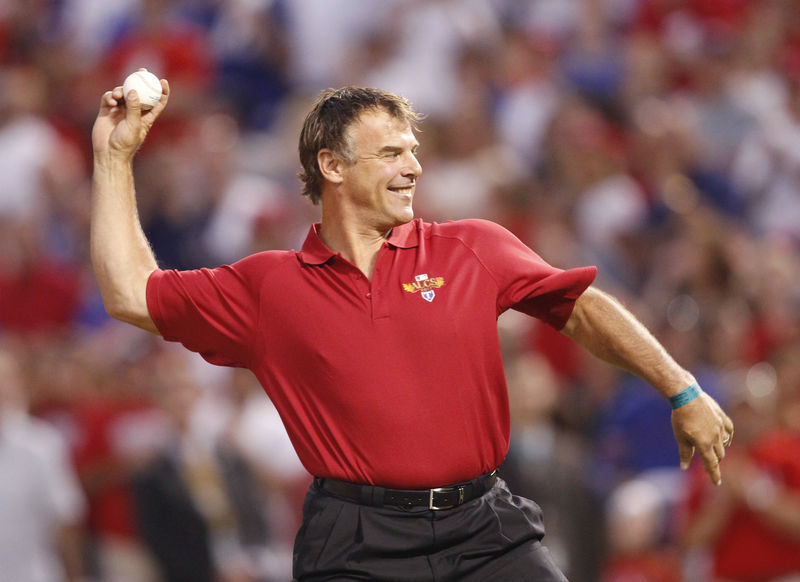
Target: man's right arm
x=121 y=255
x=609 y=331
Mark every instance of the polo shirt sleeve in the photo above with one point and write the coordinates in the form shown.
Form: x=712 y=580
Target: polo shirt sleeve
x=210 y=311
x=525 y=281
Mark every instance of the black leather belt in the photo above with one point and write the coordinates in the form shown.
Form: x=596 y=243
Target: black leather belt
x=435 y=499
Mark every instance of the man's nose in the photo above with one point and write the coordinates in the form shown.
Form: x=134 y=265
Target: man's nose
x=413 y=167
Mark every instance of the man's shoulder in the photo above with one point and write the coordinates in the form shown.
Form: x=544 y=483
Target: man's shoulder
x=271 y=258
x=264 y=262
x=469 y=231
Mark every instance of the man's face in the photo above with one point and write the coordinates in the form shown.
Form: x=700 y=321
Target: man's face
x=379 y=185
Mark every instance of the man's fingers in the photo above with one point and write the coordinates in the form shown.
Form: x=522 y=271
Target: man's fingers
x=719 y=451
x=727 y=425
x=133 y=106
x=711 y=459
x=108 y=100
x=686 y=452
x=150 y=115
x=703 y=427
x=156 y=110
x=715 y=473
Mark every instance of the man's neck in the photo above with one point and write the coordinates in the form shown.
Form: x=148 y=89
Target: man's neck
x=357 y=243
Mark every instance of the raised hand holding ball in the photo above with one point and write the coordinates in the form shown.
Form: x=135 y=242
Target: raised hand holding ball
x=146 y=85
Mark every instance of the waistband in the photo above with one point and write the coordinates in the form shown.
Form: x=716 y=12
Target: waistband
x=436 y=499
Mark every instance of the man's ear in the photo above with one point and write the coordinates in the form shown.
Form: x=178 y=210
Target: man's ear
x=330 y=165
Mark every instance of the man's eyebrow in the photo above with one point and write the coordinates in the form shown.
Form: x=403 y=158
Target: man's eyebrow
x=390 y=149
x=394 y=148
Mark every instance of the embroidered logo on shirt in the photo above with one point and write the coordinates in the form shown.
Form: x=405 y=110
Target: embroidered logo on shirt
x=425 y=286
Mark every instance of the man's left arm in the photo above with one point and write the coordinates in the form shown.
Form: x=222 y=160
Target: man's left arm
x=610 y=332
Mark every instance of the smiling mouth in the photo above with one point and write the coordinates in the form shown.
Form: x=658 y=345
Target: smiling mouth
x=403 y=190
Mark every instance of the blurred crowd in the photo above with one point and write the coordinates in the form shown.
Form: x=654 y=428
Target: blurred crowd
x=656 y=139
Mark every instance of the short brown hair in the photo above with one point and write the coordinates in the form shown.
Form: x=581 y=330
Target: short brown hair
x=326 y=126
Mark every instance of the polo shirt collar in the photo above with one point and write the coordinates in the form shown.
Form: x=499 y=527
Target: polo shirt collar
x=406 y=235
x=316 y=252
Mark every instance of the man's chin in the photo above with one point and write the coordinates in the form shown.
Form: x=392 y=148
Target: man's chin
x=406 y=215
x=399 y=217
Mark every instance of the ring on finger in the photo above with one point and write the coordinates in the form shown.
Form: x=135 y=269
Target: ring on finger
x=727 y=441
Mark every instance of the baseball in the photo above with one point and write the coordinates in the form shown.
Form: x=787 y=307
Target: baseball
x=147 y=86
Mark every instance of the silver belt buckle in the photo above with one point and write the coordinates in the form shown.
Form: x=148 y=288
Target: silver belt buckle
x=445 y=490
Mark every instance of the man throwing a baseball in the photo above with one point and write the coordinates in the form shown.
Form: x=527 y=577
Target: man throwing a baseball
x=377 y=343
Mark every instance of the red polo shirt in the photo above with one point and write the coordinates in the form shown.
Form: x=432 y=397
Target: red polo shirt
x=396 y=381
x=748 y=547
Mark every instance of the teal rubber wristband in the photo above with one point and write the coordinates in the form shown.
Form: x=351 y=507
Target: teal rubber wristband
x=685 y=396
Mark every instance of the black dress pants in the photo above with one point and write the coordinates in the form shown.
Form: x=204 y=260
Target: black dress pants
x=496 y=537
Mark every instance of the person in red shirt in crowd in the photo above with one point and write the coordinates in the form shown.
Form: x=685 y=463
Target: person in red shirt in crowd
x=41 y=295
x=653 y=15
x=170 y=45
x=378 y=345
x=750 y=526
x=116 y=433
